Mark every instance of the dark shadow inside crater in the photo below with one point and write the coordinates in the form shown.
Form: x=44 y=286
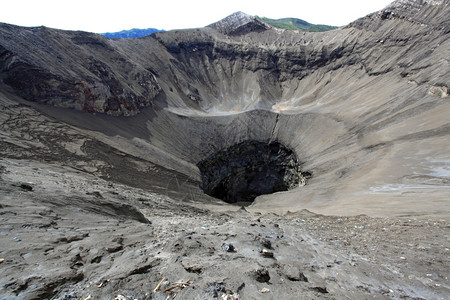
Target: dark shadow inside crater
x=246 y=170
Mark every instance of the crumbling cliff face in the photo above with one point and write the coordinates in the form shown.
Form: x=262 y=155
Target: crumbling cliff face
x=73 y=69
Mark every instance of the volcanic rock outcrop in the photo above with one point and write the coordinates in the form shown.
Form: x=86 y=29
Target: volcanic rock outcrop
x=359 y=106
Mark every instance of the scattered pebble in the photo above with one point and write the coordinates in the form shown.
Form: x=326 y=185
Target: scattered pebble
x=267 y=253
x=230 y=297
x=2 y=260
x=320 y=289
x=264 y=290
x=261 y=275
x=103 y=283
x=228 y=247
x=294 y=274
x=26 y=187
x=266 y=243
x=69 y=296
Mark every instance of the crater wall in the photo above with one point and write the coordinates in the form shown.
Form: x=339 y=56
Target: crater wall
x=364 y=107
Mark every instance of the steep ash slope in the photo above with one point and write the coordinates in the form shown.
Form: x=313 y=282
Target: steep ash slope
x=73 y=69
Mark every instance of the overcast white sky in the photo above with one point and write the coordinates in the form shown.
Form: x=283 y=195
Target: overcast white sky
x=108 y=16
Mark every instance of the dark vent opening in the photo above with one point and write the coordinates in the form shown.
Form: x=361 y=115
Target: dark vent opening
x=246 y=170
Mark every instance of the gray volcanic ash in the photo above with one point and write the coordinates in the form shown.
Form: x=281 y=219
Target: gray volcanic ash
x=115 y=155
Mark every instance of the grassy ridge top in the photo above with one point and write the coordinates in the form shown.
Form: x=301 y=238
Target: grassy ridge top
x=295 y=24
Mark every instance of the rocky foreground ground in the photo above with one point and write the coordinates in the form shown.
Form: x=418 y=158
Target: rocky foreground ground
x=66 y=234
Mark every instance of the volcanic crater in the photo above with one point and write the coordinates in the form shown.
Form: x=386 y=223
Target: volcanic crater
x=340 y=100
x=166 y=131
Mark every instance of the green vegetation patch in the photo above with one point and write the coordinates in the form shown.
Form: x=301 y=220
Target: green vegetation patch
x=295 y=24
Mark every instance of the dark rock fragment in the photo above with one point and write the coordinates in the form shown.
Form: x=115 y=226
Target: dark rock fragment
x=320 y=289
x=215 y=288
x=96 y=194
x=26 y=187
x=191 y=266
x=266 y=244
x=96 y=260
x=68 y=296
x=77 y=262
x=228 y=247
x=261 y=275
x=266 y=253
x=294 y=274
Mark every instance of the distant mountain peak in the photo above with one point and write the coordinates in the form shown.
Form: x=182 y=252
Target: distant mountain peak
x=241 y=15
x=239 y=23
x=132 y=33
